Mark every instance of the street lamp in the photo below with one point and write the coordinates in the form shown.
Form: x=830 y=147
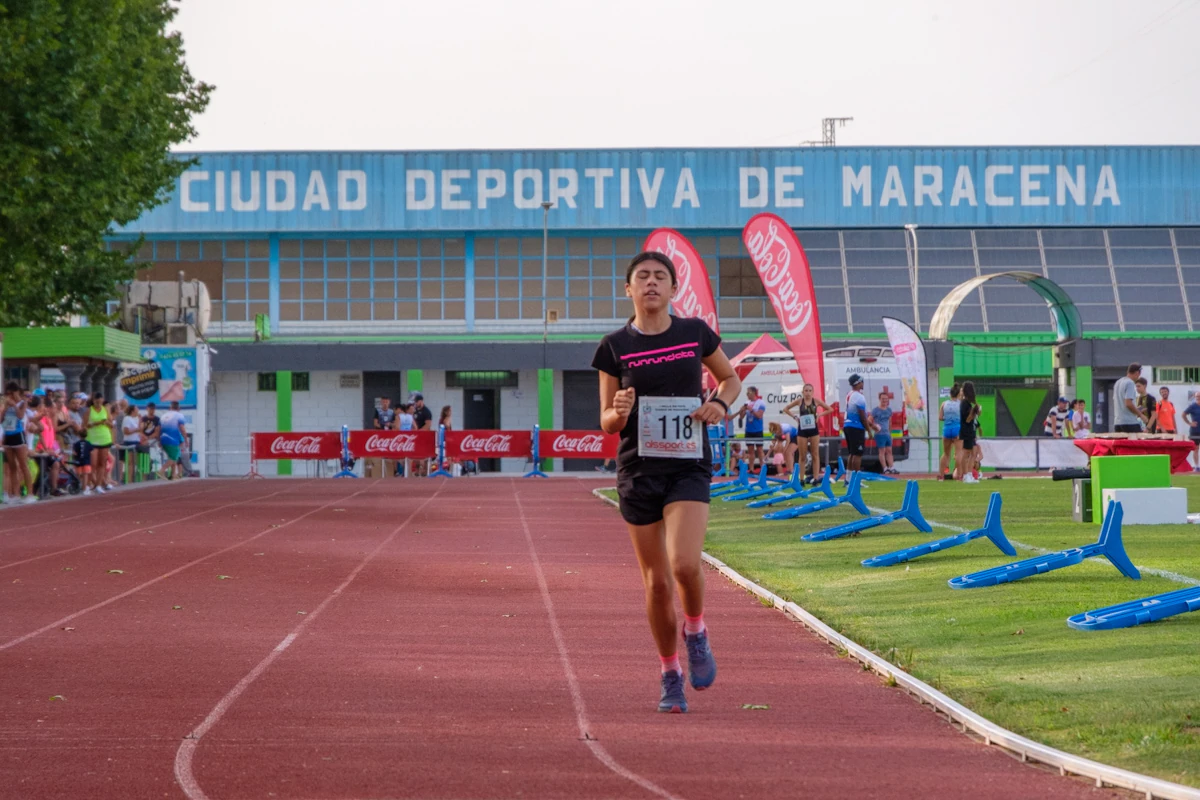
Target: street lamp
x=545 y=249
x=916 y=266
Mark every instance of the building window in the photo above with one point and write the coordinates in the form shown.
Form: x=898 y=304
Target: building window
x=486 y=379
x=267 y=381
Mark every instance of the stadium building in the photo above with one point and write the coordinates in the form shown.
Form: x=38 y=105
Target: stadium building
x=483 y=279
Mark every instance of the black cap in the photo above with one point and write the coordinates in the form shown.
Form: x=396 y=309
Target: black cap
x=856 y=379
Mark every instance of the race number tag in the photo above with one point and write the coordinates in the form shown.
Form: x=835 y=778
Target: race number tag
x=666 y=428
x=808 y=421
x=10 y=423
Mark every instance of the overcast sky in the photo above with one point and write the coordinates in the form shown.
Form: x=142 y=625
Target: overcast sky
x=401 y=75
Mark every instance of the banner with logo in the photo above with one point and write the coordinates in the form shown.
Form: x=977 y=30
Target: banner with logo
x=168 y=375
x=310 y=446
x=909 y=351
x=489 y=444
x=577 y=444
x=395 y=445
x=783 y=267
x=693 y=295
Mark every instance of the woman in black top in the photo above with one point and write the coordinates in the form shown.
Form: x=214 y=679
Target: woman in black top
x=969 y=428
x=650 y=392
x=809 y=409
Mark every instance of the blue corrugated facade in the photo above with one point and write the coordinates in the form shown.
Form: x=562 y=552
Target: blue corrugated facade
x=705 y=189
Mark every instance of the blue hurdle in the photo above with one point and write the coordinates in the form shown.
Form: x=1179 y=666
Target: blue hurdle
x=793 y=485
x=1138 y=612
x=825 y=487
x=853 y=497
x=991 y=529
x=740 y=482
x=1109 y=545
x=909 y=510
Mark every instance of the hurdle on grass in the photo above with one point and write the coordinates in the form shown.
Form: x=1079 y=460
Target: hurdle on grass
x=992 y=530
x=1138 y=612
x=825 y=487
x=910 y=510
x=1109 y=545
x=853 y=497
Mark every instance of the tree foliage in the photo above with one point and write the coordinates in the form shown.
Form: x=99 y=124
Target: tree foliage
x=93 y=94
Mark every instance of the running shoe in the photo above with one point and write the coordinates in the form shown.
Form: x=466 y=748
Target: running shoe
x=87 y=491
x=110 y=486
x=970 y=479
x=33 y=498
x=673 y=701
x=702 y=667
x=99 y=490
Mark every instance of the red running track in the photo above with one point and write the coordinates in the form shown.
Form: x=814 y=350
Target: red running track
x=417 y=639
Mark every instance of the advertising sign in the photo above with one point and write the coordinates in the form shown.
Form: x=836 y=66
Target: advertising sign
x=489 y=444
x=909 y=351
x=311 y=446
x=783 y=267
x=693 y=294
x=577 y=444
x=168 y=375
x=395 y=445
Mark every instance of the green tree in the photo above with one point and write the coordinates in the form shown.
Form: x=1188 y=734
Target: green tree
x=93 y=94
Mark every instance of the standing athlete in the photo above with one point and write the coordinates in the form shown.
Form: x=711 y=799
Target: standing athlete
x=857 y=424
x=650 y=392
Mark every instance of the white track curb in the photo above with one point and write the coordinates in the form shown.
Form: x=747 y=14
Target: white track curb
x=992 y=733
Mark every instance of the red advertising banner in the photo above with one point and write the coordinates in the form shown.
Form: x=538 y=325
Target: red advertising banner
x=312 y=446
x=489 y=444
x=577 y=444
x=693 y=296
x=395 y=445
x=783 y=267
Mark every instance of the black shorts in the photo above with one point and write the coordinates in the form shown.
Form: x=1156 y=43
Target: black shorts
x=855 y=439
x=1127 y=428
x=968 y=440
x=806 y=435
x=643 y=497
x=14 y=440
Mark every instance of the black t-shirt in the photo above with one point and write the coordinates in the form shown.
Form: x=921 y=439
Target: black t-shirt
x=150 y=425
x=421 y=416
x=385 y=417
x=1148 y=405
x=667 y=364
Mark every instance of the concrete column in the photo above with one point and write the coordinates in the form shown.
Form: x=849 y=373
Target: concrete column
x=110 y=382
x=71 y=374
x=85 y=379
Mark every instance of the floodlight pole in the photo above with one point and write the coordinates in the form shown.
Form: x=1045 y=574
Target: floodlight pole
x=545 y=251
x=916 y=274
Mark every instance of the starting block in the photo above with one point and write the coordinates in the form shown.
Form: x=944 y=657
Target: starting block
x=853 y=496
x=909 y=510
x=991 y=529
x=1110 y=546
x=825 y=487
x=1137 y=612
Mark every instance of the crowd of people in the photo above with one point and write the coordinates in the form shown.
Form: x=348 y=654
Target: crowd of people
x=412 y=415
x=56 y=445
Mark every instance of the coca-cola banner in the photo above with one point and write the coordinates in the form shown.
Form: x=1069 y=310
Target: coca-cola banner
x=314 y=446
x=783 y=267
x=395 y=445
x=489 y=444
x=693 y=295
x=577 y=444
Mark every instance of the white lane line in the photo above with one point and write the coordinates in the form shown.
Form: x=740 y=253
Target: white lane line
x=102 y=510
x=135 y=530
x=564 y=657
x=187 y=748
x=60 y=622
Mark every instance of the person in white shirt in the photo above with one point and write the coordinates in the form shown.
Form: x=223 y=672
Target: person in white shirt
x=1081 y=420
x=131 y=430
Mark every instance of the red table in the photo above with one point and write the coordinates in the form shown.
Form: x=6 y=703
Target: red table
x=1177 y=450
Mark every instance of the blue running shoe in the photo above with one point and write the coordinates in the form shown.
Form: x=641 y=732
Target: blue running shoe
x=702 y=667
x=673 y=701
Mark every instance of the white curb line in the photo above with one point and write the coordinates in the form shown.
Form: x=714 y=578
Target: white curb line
x=992 y=733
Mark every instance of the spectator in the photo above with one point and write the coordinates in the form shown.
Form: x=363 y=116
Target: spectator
x=1191 y=415
x=783 y=447
x=48 y=444
x=1147 y=406
x=80 y=449
x=131 y=429
x=752 y=412
x=882 y=417
x=1126 y=414
x=422 y=421
x=99 y=434
x=385 y=415
x=858 y=424
x=1056 y=421
x=173 y=433
x=1165 y=420
x=968 y=415
x=951 y=431
x=404 y=420
x=16 y=449
x=809 y=409
x=1081 y=420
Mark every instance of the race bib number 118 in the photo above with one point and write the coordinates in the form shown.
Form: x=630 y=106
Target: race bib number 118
x=666 y=428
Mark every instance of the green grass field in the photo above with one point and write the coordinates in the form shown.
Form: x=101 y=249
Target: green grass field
x=1130 y=697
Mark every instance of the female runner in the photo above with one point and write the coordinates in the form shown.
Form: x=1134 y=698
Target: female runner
x=650 y=392
x=809 y=409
